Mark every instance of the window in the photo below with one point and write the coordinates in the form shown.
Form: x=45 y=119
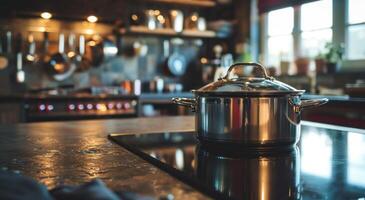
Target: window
x=303 y=31
x=355 y=30
x=316 y=27
x=280 y=39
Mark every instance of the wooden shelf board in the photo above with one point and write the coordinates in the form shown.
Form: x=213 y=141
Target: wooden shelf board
x=200 y=3
x=168 y=32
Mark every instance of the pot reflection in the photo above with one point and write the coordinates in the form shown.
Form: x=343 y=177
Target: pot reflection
x=256 y=175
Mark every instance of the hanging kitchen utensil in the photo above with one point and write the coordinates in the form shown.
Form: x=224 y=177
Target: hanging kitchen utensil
x=84 y=63
x=110 y=49
x=20 y=74
x=45 y=56
x=176 y=62
x=73 y=55
x=7 y=54
x=252 y=110
x=9 y=47
x=59 y=66
x=3 y=58
x=94 y=51
x=31 y=56
x=18 y=47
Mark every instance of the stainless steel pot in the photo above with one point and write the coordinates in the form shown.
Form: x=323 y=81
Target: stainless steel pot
x=251 y=110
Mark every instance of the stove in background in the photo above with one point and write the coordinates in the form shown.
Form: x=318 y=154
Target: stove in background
x=62 y=104
x=79 y=107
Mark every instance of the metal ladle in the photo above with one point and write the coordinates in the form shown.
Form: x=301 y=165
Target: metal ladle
x=59 y=64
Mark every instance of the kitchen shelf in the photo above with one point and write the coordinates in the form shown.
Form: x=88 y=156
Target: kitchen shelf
x=168 y=32
x=197 y=3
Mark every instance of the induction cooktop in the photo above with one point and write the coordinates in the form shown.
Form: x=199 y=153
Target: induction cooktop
x=327 y=163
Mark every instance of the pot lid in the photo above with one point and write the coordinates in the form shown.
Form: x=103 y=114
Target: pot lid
x=243 y=80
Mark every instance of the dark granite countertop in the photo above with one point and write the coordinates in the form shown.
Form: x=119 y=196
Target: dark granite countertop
x=78 y=151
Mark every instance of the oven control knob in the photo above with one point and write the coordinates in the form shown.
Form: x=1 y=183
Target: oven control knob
x=89 y=106
x=42 y=107
x=50 y=107
x=119 y=105
x=71 y=107
x=80 y=107
x=127 y=105
x=110 y=106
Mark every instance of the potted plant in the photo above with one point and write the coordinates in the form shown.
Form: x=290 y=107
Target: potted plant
x=320 y=63
x=333 y=56
x=302 y=64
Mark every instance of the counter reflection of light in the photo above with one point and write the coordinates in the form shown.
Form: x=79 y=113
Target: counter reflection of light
x=179 y=159
x=101 y=107
x=316 y=154
x=264 y=178
x=46 y=15
x=356 y=159
x=153 y=154
x=92 y=19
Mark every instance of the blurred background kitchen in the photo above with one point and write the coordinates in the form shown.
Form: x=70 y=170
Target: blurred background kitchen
x=90 y=59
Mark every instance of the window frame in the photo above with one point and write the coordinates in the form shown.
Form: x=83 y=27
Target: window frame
x=339 y=34
x=265 y=37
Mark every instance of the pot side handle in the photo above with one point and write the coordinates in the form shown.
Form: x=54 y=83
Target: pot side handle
x=187 y=102
x=312 y=103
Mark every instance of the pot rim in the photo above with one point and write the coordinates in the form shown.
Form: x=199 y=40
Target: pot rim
x=248 y=93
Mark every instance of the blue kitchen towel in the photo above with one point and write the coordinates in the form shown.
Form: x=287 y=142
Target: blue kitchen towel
x=94 y=190
x=14 y=186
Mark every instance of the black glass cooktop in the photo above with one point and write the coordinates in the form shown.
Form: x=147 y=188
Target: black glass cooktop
x=327 y=163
